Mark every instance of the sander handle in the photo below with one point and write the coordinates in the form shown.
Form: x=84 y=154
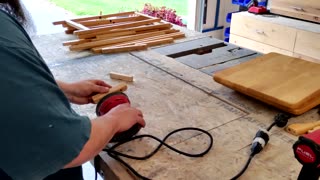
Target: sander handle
x=310 y=173
x=118 y=88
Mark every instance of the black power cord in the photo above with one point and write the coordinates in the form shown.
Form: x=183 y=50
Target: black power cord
x=116 y=155
x=261 y=139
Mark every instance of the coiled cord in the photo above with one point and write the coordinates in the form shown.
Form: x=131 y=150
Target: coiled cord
x=116 y=155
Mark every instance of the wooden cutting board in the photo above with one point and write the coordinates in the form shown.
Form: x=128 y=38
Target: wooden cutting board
x=290 y=84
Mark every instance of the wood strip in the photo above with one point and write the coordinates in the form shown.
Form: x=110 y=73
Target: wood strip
x=70 y=28
x=89 y=45
x=119 y=49
x=149 y=27
x=164 y=36
x=96 y=17
x=120 y=76
x=76 y=25
x=110 y=25
x=106 y=36
x=118 y=88
x=140 y=28
x=145 y=40
x=134 y=24
x=157 y=42
x=144 y=15
x=111 y=35
x=93 y=35
x=168 y=31
x=102 y=22
x=109 y=21
x=75 y=42
x=148 y=42
x=69 y=31
x=148 y=31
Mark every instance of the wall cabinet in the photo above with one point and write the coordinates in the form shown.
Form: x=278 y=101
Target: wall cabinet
x=273 y=33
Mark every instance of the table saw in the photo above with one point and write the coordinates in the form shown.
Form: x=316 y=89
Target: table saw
x=174 y=88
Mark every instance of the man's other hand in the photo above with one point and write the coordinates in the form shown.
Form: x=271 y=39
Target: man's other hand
x=82 y=91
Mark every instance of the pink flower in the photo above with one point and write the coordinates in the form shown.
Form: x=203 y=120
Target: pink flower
x=163 y=13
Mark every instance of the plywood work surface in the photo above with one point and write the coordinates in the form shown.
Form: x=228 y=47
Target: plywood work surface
x=169 y=103
x=173 y=95
x=288 y=83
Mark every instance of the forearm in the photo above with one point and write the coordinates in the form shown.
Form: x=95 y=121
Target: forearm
x=65 y=87
x=102 y=130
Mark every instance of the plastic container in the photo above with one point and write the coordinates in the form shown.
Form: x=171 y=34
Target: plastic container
x=241 y=2
x=228 y=18
x=246 y=2
x=227 y=32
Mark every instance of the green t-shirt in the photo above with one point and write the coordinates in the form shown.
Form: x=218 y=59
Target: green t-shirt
x=39 y=131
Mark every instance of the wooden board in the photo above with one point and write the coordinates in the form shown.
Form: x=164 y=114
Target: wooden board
x=307 y=9
x=288 y=83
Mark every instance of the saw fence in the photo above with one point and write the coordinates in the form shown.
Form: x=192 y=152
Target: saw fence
x=120 y=32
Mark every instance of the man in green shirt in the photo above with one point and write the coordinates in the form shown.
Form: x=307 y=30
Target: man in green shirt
x=41 y=136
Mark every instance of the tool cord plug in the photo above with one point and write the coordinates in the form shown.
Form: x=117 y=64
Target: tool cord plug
x=262 y=138
x=259 y=142
x=280 y=120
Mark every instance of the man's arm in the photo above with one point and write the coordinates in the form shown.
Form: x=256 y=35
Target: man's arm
x=103 y=128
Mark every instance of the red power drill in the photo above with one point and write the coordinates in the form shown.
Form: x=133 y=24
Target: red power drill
x=106 y=104
x=307 y=152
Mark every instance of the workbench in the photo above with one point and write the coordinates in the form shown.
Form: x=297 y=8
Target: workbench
x=175 y=92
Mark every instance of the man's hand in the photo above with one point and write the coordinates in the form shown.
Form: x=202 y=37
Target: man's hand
x=103 y=128
x=124 y=117
x=82 y=91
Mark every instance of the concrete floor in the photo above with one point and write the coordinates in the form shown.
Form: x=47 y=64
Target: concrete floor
x=43 y=13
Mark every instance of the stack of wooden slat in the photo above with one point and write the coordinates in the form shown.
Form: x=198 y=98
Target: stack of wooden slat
x=121 y=32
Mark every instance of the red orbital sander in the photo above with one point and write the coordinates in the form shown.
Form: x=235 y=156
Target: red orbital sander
x=110 y=101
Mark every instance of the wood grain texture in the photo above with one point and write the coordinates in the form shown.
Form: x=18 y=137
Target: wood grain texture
x=76 y=25
x=119 y=49
x=307 y=10
x=116 y=34
x=102 y=42
x=127 y=25
x=109 y=21
x=149 y=41
x=118 y=88
x=257 y=46
x=121 y=76
x=139 y=28
x=263 y=31
x=96 y=17
x=307 y=43
x=75 y=42
x=288 y=83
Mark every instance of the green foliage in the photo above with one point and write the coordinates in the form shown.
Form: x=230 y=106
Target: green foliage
x=90 y=7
